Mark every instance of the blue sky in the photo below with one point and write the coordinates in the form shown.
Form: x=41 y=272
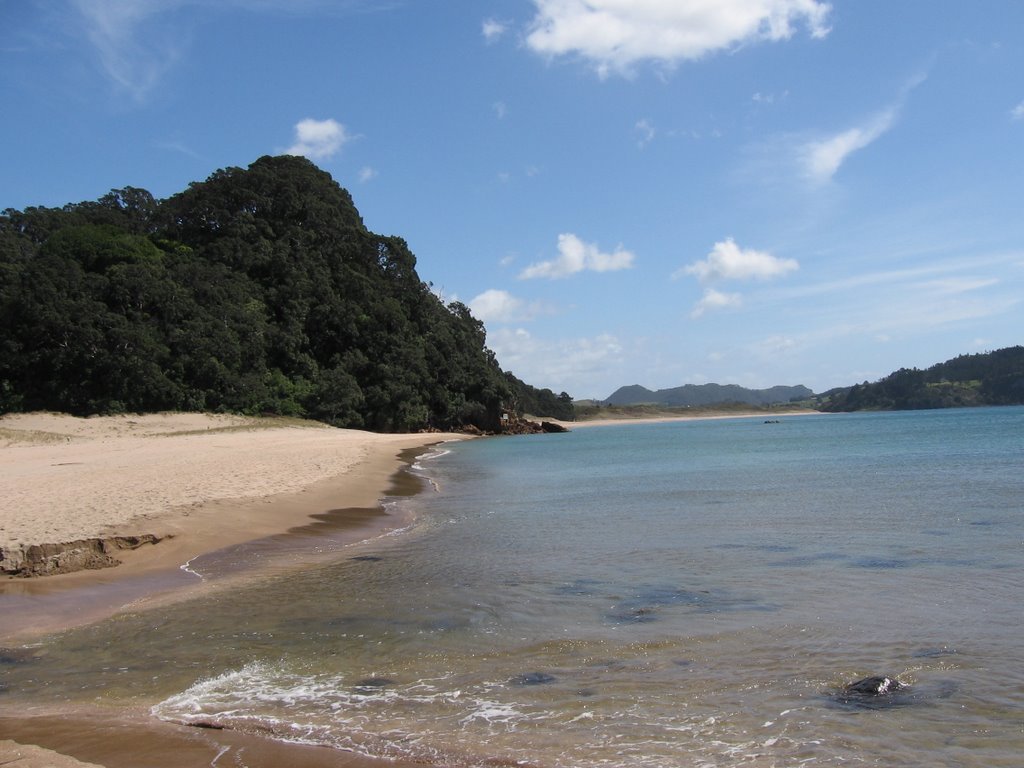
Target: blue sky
x=657 y=192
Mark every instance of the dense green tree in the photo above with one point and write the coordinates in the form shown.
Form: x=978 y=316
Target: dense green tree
x=992 y=378
x=258 y=290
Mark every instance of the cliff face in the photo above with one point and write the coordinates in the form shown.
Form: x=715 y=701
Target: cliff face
x=66 y=557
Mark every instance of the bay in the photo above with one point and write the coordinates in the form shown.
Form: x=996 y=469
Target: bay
x=689 y=593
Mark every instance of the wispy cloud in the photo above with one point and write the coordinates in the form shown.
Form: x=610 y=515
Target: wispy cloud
x=138 y=42
x=179 y=147
x=493 y=29
x=318 y=139
x=366 y=173
x=614 y=35
x=575 y=256
x=1017 y=113
x=645 y=131
x=822 y=158
x=133 y=53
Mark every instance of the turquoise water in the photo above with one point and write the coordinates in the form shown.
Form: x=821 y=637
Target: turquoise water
x=677 y=594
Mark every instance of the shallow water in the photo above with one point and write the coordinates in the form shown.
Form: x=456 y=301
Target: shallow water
x=678 y=594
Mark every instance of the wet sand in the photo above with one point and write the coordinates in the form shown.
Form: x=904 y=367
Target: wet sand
x=141 y=742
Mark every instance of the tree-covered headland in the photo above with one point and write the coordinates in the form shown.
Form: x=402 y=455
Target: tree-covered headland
x=991 y=378
x=257 y=291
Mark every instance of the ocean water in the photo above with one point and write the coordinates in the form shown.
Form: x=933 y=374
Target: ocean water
x=676 y=594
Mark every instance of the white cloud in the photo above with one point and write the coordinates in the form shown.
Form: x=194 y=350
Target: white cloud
x=496 y=306
x=318 y=139
x=500 y=109
x=615 y=34
x=366 y=173
x=569 y=364
x=1017 y=113
x=727 y=261
x=493 y=30
x=574 y=256
x=821 y=159
x=712 y=300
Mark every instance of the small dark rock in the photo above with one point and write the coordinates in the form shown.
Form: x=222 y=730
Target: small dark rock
x=533 y=678
x=367 y=558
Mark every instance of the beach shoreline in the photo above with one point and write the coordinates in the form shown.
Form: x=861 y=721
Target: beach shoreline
x=196 y=483
x=200 y=485
x=345 y=506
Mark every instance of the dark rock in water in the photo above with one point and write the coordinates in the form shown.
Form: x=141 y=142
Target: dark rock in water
x=533 y=678
x=375 y=682
x=882 y=692
x=876 y=692
x=551 y=427
x=367 y=558
x=12 y=656
x=874 y=686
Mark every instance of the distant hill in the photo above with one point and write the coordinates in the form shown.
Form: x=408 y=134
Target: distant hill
x=992 y=378
x=694 y=395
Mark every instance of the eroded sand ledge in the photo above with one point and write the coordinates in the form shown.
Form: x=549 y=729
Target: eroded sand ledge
x=80 y=492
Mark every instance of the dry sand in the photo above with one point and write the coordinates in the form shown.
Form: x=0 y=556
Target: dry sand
x=66 y=478
x=199 y=482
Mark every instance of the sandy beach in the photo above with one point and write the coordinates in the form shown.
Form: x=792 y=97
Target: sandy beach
x=81 y=493
x=78 y=490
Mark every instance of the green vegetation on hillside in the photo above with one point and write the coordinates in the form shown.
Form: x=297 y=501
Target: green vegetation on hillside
x=993 y=378
x=257 y=291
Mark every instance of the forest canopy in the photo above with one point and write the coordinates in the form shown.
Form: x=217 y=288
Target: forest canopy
x=991 y=378
x=259 y=290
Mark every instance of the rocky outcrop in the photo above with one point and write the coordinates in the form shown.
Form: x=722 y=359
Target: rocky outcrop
x=69 y=556
x=518 y=427
x=527 y=427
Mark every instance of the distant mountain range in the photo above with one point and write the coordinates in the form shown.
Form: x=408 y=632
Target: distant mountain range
x=706 y=394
